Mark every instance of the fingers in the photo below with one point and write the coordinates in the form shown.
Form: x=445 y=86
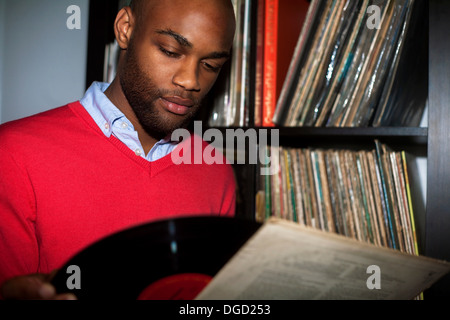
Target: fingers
x=51 y=275
x=27 y=287
x=32 y=287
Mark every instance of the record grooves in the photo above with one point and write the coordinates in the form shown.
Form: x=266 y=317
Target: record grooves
x=157 y=260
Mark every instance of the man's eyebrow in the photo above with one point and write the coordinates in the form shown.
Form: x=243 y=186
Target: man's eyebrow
x=185 y=43
x=218 y=55
x=178 y=37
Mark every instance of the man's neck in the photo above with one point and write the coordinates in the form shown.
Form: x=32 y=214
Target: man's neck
x=117 y=97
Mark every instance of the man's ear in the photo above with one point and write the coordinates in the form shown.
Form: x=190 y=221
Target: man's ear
x=124 y=26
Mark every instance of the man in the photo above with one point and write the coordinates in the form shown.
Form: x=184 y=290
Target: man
x=73 y=175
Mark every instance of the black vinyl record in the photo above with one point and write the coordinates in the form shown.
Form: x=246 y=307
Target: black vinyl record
x=164 y=260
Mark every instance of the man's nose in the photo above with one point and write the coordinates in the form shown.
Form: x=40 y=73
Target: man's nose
x=187 y=76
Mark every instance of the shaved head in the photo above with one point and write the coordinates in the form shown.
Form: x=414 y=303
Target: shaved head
x=140 y=7
x=172 y=52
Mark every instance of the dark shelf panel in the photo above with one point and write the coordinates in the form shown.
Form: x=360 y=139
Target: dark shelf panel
x=102 y=14
x=438 y=202
x=419 y=134
x=367 y=131
x=414 y=139
x=396 y=137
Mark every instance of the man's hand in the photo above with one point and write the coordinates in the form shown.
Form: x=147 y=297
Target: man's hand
x=32 y=287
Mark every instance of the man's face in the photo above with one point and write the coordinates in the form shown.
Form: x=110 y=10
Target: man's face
x=172 y=61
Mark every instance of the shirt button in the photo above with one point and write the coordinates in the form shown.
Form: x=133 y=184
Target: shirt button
x=138 y=152
x=124 y=125
x=107 y=126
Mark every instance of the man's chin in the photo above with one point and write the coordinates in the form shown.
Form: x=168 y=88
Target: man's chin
x=165 y=131
x=172 y=122
x=160 y=124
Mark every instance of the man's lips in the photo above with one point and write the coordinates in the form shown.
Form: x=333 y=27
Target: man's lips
x=177 y=105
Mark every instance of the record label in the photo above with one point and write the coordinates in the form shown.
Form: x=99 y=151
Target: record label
x=177 y=287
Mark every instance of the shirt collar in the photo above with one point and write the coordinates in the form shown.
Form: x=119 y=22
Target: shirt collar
x=105 y=114
x=102 y=110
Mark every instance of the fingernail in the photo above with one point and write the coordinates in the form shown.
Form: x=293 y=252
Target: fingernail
x=46 y=291
x=68 y=296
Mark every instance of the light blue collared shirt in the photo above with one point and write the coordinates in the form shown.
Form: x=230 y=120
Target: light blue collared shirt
x=112 y=121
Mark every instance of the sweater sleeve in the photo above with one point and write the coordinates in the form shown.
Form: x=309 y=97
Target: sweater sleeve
x=18 y=244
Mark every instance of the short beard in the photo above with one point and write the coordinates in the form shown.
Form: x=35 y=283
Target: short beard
x=142 y=94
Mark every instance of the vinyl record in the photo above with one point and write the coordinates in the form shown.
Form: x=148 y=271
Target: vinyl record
x=164 y=260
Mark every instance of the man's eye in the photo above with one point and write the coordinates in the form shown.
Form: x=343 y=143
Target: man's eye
x=168 y=53
x=211 y=68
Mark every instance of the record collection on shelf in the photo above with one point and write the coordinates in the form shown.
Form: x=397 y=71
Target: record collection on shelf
x=364 y=195
x=350 y=65
x=266 y=35
x=231 y=101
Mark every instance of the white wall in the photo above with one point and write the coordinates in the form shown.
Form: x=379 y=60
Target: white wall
x=2 y=33
x=42 y=62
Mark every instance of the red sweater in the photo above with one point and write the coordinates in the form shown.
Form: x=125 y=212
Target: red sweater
x=65 y=185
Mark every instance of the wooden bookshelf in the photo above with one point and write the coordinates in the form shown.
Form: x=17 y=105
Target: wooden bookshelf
x=432 y=142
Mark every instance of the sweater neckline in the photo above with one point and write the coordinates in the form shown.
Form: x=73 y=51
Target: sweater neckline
x=153 y=167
